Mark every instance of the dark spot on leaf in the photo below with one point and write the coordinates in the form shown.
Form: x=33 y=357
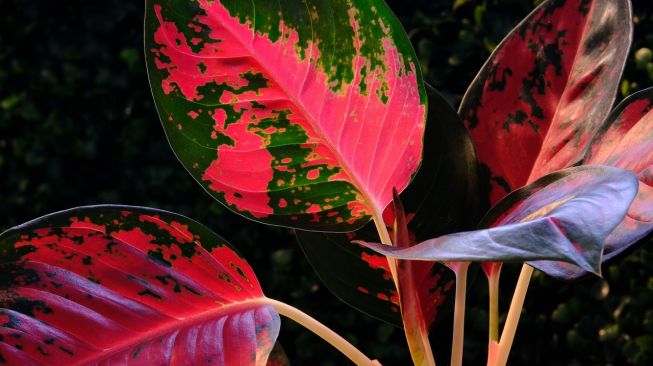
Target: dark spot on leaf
x=584 y=7
x=202 y=67
x=240 y=271
x=499 y=84
x=503 y=183
x=601 y=36
x=109 y=247
x=137 y=351
x=157 y=256
x=148 y=292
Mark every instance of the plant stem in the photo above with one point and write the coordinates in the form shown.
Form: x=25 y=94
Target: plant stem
x=321 y=330
x=418 y=341
x=493 y=290
x=385 y=239
x=514 y=313
x=459 y=314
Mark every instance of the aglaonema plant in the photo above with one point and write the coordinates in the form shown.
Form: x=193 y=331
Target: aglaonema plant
x=313 y=115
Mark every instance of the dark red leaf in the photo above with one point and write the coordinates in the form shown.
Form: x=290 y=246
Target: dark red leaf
x=543 y=93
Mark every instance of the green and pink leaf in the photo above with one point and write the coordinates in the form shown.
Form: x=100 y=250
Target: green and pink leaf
x=441 y=199
x=297 y=115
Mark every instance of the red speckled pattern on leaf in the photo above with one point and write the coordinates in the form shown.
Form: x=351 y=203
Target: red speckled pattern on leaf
x=303 y=116
x=113 y=285
x=546 y=88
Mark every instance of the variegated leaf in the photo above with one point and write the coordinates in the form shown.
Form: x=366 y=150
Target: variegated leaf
x=302 y=113
x=441 y=199
x=546 y=88
x=116 y=285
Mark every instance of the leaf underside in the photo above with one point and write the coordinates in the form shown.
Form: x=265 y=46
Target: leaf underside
x=563 y=217
x=625 y=140
x=441 y=199
x=297 y=113
x=108 y=285
x=545 y=90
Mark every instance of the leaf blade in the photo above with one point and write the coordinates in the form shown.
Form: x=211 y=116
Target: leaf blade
x=284 y=120
x=563 y=220
x=624 y=141
x=537 y=101
x=139 y=287
x=441 y=199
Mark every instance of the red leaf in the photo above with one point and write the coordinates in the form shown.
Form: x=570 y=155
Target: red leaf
x=130 y=286
x=413 y=305
x=546 y=88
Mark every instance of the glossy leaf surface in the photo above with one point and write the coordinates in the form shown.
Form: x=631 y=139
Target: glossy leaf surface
x=298 y=113
x=110 y=285
x=625 y=141
x=546 y=88
x=441 y=199
x=565 y=216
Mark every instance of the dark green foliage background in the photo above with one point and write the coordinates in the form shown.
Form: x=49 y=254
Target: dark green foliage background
x=78 y=126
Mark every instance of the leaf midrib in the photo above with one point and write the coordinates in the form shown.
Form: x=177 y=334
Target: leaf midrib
x=376 y=211
x=176 y=324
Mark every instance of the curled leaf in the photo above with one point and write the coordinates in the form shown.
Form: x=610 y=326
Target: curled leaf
x=625 y=140
x=565 y=216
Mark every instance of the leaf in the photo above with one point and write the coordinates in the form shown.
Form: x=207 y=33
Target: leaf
x=129 y=286
x=412 y=310
x=440 y=200
x=278 y=356
x=538 y=100
x=296 y=113
x=625 y=140
x=565 y=216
